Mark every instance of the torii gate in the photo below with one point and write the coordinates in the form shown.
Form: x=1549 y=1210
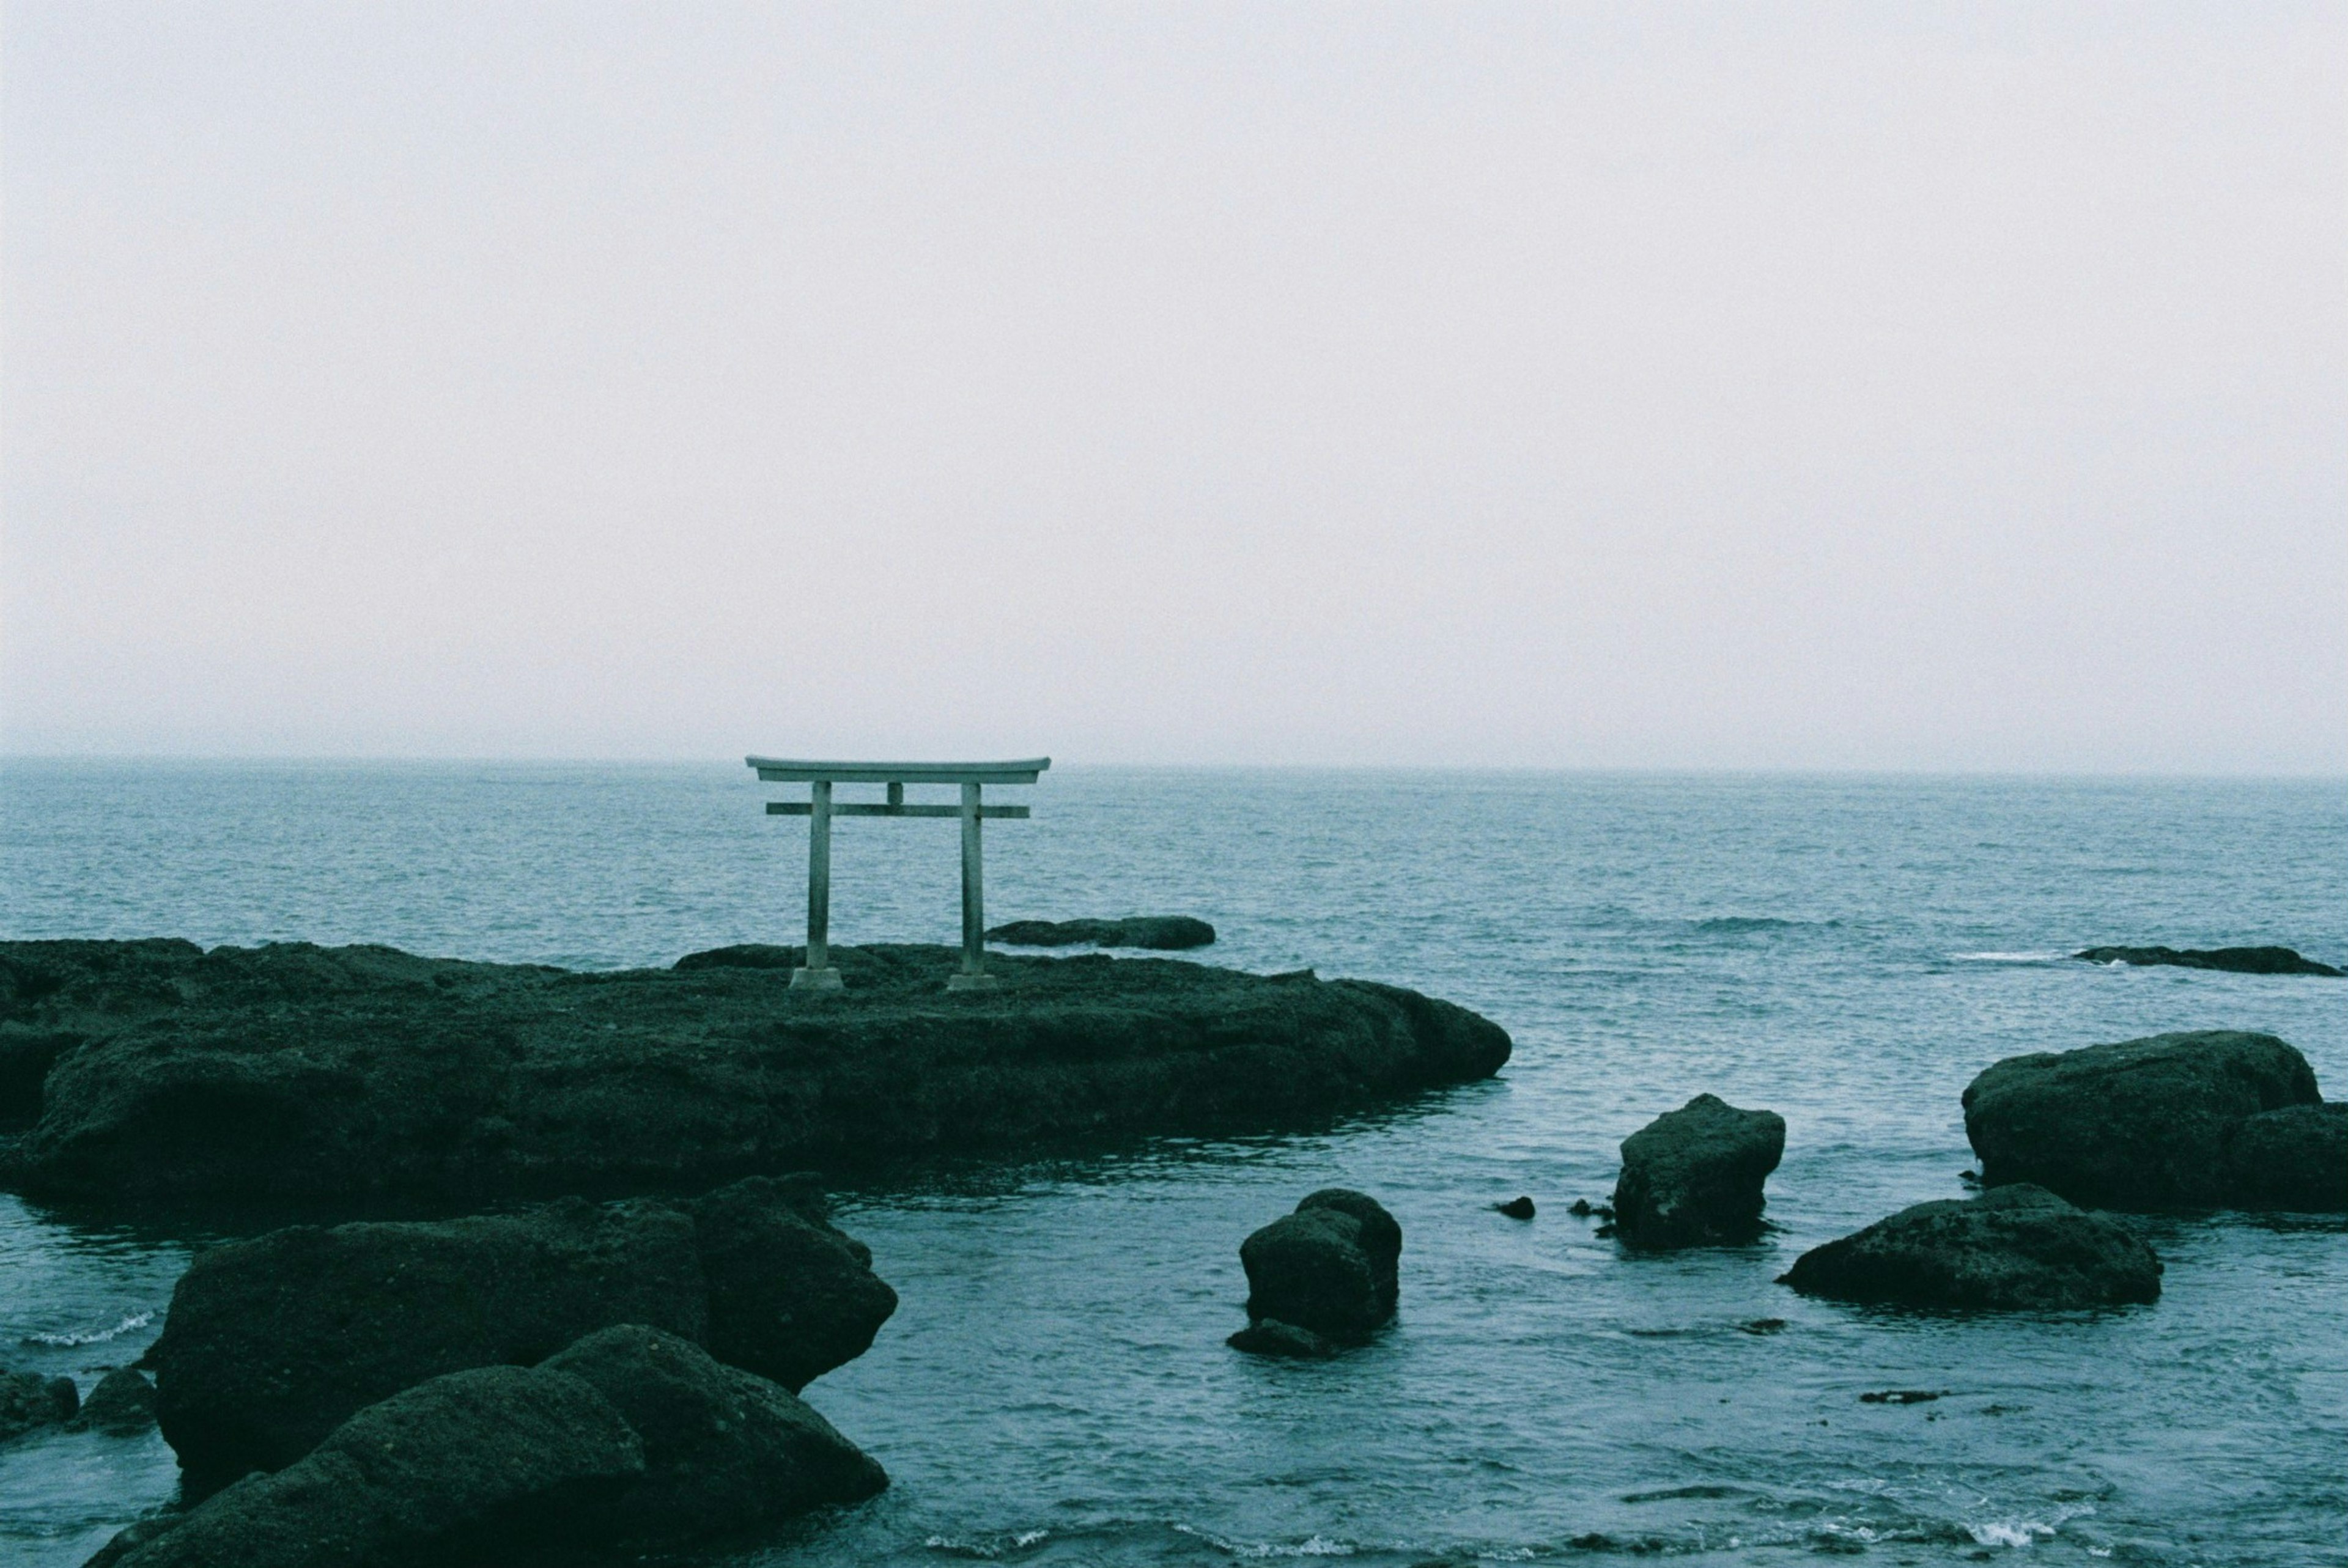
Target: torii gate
x=816 y=973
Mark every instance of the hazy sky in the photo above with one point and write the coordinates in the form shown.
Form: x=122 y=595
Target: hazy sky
x=1886 y=385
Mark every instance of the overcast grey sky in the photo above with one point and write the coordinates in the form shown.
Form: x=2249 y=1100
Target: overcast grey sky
x=1884 y=385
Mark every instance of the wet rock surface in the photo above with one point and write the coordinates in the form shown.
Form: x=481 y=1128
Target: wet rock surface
x=2139 y=1124
x=1271 y=1336
x=123 y=1405
x=1331 y=1267
x=2234 y=960
x=725 y=1450
x=1692 y=1177
x=2295 y=1158
x=29 y=1400
x=1164 y=933
x=156 y=1069
x=492 y=1465
x=272 y=1343
x=2014 y=1247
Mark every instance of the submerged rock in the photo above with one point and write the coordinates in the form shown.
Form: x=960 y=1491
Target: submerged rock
x=1271 y=1336
x=2235 y=960
x=1165 y=933
x=488 y=1466
x=1694 y=1176
x=28 y=1400
x=272 y=1343
x=725 y=1450
x=307 y=1072
x=2295 y=1158
x=123 y=1405
x=2140 y=1124
x=1332 y=1267
x=2017 y=1246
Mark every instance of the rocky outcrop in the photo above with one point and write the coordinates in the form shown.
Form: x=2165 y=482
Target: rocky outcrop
x=493 y=1465
x=310 y=1071
x=790 y=1294
x=2140 y=1124
x=1331 y=1269
x=1165 y=933
x=28 y=1400
x=2295 y=1158
x=2235 y=960
x=2015 y=1247
x=1693 y=1176
x=123 y=1405
x=272 y=1343
x=725 y=1450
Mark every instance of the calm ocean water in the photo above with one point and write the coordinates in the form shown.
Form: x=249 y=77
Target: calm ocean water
x=1054 y=1389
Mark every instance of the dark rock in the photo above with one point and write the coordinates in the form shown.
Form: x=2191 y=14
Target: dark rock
x=790 y=1295
x=2295 y=1158
x=725 y=1450
x=1271 y=1336
x=2013 y=1247
x=1902 y=1397
x=2141 y=1124
x=309 y=1071
x=1763 y=1326
x=1693 y=1176
x=272 y=1343
x=1517 y=1208
x=484 y=1466
x=123 y=1405
x=1165 y=933
x=28 y=1400
x=2235 y=960
x=129 y=1539
x=1332 y=1267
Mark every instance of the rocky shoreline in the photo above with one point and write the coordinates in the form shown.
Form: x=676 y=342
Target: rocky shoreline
x=154 y=1068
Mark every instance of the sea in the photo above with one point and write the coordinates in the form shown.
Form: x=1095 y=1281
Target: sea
x=1055 y=1388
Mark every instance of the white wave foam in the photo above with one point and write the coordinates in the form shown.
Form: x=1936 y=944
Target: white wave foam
x=2009 y=957
x=136 y=1320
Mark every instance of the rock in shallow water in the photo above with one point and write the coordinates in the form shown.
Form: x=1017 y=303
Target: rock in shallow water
x=1165 y=933
x=2139 y=1124
x=28 y=1400
x=1332 y=1267
x=272 y=1343
x=1271 y=1336
x=725 y=1450
x=2016 y=1247
x=2235 y=960
x=309 y=1071
x=2295 y=1158
x=123 y=1405
x=491 y=1465
x=1694 y=1176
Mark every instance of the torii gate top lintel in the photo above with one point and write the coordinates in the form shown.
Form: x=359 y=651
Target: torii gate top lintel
x=816 y=973
x=782 y=770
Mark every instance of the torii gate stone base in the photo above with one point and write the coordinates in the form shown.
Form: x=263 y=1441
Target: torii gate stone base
x=816 y=973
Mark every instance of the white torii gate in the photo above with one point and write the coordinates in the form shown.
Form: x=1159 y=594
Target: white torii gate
x=816 y=973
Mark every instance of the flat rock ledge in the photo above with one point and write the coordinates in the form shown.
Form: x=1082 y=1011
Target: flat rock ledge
x=2233 y=960
x=155 y=1069
x=629 y=1439
x=275 y=1342
x=1165 y=933
x=1692 y=1177
x=2013 y=1248
x=2213 y=1119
